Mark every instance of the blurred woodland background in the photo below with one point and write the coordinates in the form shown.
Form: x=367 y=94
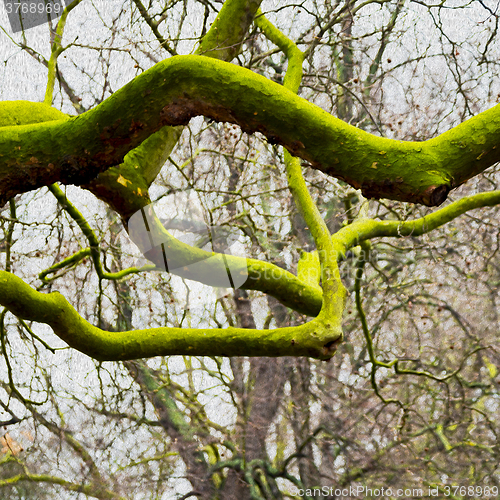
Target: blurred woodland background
x=261 y=428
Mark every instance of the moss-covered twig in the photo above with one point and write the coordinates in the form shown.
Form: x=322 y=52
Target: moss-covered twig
x=57 y=50
x=93 y=251
x=366 y=229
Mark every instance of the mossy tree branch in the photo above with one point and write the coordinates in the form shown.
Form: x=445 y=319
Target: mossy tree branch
x=364 y=229
x=28 y=304
x=93 y=491
x=57 y=50
x=185 y=86
x=74 y=150
x=142 y=164
x=225 y=37
x=334 y=293
x=311 y=339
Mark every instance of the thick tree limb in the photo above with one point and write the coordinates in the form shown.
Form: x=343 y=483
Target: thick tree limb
x=225 y=37
x=74 y=150
x=316 y=339
x=222 y=41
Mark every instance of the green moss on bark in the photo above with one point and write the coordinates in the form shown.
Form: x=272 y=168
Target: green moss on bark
x=313 y=339
x=75 y=150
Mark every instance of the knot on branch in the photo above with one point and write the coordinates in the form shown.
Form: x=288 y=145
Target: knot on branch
x=435 y=195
